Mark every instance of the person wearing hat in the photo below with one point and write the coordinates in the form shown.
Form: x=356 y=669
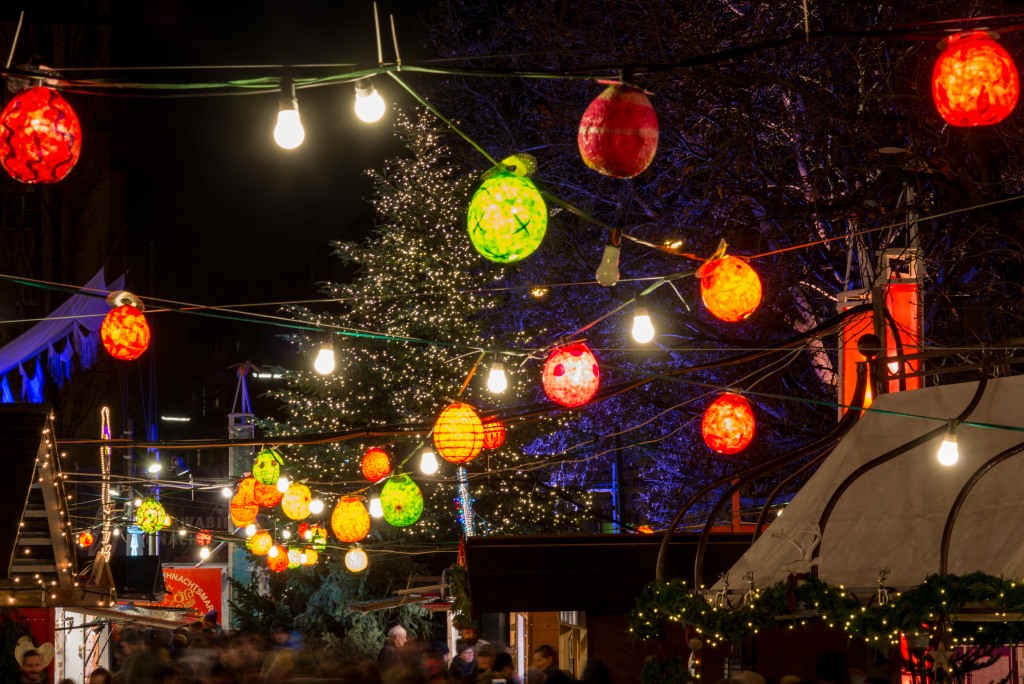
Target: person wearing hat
x=32 y=660
x=485 y=654
x=210 y=621
x=434 y=663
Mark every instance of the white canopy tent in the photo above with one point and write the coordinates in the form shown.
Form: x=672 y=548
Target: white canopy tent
x=893 y=516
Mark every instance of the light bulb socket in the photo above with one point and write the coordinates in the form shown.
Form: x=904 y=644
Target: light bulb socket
x=364 y=87
x=288 y=99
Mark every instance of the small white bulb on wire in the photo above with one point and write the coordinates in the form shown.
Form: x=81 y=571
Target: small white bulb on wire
x=273 y=552
x=316 y=506
x=227 y=492
x=204 y=552
x=250 y=530
x=369 y=104
x=428 y=461
x=643 y=329
x=324 y=364
x=949 y=454
x=288 y=133
x=376 y=509
x=283 y=483
x=496 y=380
x=608 y=271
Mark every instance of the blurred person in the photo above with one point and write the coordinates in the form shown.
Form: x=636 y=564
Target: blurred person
x=485 y=654
x=30 y=668
x=101 y=676
x=442 y=648
x=463 y=667
x=504 y=671
x=391 y=653
x=545 y=659
x=433 y=665
x=596 y=672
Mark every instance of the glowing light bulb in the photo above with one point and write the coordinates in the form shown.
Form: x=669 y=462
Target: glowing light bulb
x=288 y=133
x=286 y=534
x=283 y=483
x=369 y=104
x=949 y=454
x=227 y=492
x=324 y=364
x=316 y=506
x=496 y=380
x=138 y=502
x=182 y=532
x=428 y=461
x=154 y=468
x=608 y=271
x=643 y=329
x=204 y=552
x=250 y=530
x=273 y=552
x=308 y=534
x=376 y=509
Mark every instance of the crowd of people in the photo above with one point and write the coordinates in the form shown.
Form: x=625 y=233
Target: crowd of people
x=203 y=654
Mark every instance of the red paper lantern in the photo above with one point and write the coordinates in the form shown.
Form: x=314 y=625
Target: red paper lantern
x=204 y=537
x=571 y=375
x=494 y=433
x=376 y=464
x=728 y=425
x=618 y=134
x=125 y=333
x=730 y=288
x=86 y=539
x=261 y=542
x=350 y=520
x=277 y=558
x=266 y=496
x=975 y=82
x=40 y=137
x=459 y=433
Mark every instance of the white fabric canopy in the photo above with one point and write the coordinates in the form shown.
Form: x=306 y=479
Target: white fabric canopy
x=893 y=516
x=76 y=321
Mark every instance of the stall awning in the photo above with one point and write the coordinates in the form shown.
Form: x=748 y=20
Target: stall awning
x=165 y=618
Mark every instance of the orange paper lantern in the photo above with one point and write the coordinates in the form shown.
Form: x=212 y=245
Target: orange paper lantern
x=277 y=558
x=459 y=433
x=260 y=542
x=494 y=433
x=975 y=82
x=295 y=502
x=125 y=333
x=266 y=496
x=311 y=556
x=376 y=464
x=86 y=539
x=350 y=520
x=243 y=513
x=730 y=288
x=618 y=133
x=571 y=375
x=728 y=425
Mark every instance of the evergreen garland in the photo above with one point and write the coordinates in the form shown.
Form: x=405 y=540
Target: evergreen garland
x=939 y=600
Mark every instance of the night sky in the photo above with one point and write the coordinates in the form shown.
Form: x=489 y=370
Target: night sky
x=223 y=214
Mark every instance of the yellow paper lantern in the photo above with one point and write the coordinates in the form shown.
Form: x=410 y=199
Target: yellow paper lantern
x=260 y=543
x=311 y=556
x=459 y=433
x=350 y=520
x=295 y=503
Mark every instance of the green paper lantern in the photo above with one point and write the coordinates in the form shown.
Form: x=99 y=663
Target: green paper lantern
x=319 y=537
x=150 y=516
x=267 y=466
x=402 y=501
x=507 y=218
x=294 y=557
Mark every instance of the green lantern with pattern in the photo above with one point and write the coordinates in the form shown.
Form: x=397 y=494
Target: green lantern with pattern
x=401 y=500
x=507 y=217
x=267 y=466
x=150 y=516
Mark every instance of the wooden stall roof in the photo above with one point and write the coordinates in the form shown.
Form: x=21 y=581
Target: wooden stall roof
x=594 y=573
